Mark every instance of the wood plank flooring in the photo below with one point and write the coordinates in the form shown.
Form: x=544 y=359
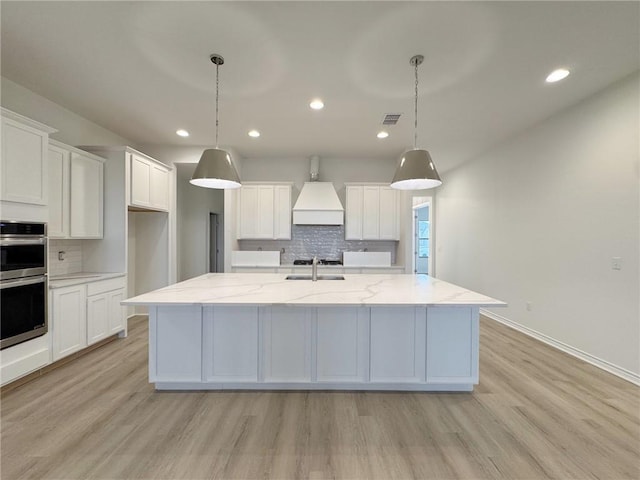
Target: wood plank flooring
x=537 y=413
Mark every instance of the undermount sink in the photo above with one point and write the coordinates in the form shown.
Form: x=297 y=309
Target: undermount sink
x=319 y=277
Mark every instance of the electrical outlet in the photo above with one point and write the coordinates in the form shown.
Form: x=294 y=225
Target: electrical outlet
x=61 y=255
x=616 y=263
x=529 y=306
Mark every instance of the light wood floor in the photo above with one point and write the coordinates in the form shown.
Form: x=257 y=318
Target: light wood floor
x=537 y=413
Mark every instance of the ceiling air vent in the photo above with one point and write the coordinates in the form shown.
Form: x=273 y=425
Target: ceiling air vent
x=391 y=118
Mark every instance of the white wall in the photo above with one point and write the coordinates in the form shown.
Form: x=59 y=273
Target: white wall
x=72 y=128
x=539 y=218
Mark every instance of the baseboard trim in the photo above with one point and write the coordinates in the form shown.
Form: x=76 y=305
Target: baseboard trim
x=574 y=352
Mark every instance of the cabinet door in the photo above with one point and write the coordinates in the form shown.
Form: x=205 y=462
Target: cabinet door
x=86 y=197
x=286 y=344
x=342 y=341
x=452 y=345
x=97 y=318
x=69 y=320
x=159 y=190
x=230 y=345
x=370 y=213
x=282 y=212
x=117 y=320
x=140 y=181
x=353 y=216
x=256 y=212
x=398 y=344
x=58 y=226
x=265 y=218
x=24 y=165
x=389 y=214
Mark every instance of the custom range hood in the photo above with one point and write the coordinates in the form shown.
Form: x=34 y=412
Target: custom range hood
x=318 y=202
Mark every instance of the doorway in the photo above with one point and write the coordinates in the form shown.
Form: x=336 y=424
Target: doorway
x=215 y=243
x=422 y=236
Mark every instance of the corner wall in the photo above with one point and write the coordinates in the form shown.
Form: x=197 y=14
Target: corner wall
x=539 y=218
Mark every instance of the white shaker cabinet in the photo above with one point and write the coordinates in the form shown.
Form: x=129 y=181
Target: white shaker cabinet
x=59 y=192
x=76 y=192
x=149 y=184
x=372 y=212
x=69 y=320
x=105 y=315
x=86 y=211
x=24 y=159
x=264 y=211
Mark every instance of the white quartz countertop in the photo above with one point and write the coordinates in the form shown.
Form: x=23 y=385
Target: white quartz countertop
x=273 y=289
x=70 y=279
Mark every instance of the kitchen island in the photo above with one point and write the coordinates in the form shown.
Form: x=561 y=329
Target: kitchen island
x=262 y=331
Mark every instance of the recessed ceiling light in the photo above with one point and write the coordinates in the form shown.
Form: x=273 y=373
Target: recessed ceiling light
x=382 y=134
x=317 y=104
x=182 y=133
x=254 y=133
x=557 y=75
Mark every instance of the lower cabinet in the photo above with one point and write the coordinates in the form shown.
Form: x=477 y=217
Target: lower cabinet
x=398 y=344
x=342 y=344
x=394 y=348
x=230 y=344
x=69 y=320
x=105 y=315
x=85 y=314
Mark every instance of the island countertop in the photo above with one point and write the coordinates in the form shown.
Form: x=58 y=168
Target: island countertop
x=260 y=289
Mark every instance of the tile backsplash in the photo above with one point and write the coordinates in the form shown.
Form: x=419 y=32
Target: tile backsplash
x=72 y=262
x=321 y=240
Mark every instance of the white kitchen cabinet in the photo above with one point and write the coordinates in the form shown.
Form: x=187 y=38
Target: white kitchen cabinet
x=23 y=163
x=452 y=345
x=97 y=318
x=372 y=212
x=149 y=183
x=230 y=345
x=286 y=344
x=264 y=211
x=59 y=192
x=68 y=320
x=398 y=344
x=86 y=210
x=176 y=329
x=105 y=315
x=342 y=344
x=76 y=192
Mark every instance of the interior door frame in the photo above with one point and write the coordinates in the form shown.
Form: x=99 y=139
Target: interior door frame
x=419 y=202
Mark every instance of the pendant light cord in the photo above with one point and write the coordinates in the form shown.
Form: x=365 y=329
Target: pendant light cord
x=217 y=84
x=415 y=113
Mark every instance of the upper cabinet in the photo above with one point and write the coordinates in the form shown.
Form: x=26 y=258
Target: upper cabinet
x=24 y=159
x=149 y=184
x=264 y=211
x=372 y=212
x=76 y=190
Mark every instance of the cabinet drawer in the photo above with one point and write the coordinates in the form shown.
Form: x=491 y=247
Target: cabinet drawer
x=103 y=286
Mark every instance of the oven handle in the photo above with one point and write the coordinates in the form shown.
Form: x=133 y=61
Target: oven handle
x=21 y=282
x=8 y=242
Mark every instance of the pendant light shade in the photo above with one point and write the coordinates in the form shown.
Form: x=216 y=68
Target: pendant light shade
x=215 y=168
x=416 y=170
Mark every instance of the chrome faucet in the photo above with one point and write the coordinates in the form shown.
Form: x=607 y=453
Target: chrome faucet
x=314 y=269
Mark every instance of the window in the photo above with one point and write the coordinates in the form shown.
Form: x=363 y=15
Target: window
x=423 y=239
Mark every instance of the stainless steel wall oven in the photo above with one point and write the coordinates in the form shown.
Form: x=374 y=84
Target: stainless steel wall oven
x=23 y=282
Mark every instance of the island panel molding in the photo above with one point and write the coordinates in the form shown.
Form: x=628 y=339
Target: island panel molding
x=367 y=332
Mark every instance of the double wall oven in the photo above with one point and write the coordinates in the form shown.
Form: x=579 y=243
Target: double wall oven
x=23 y=281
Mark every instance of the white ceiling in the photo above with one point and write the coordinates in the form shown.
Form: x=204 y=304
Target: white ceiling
x=142 y=69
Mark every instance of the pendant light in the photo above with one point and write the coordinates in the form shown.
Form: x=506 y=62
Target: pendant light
x=215 y=168
x=416 y=170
